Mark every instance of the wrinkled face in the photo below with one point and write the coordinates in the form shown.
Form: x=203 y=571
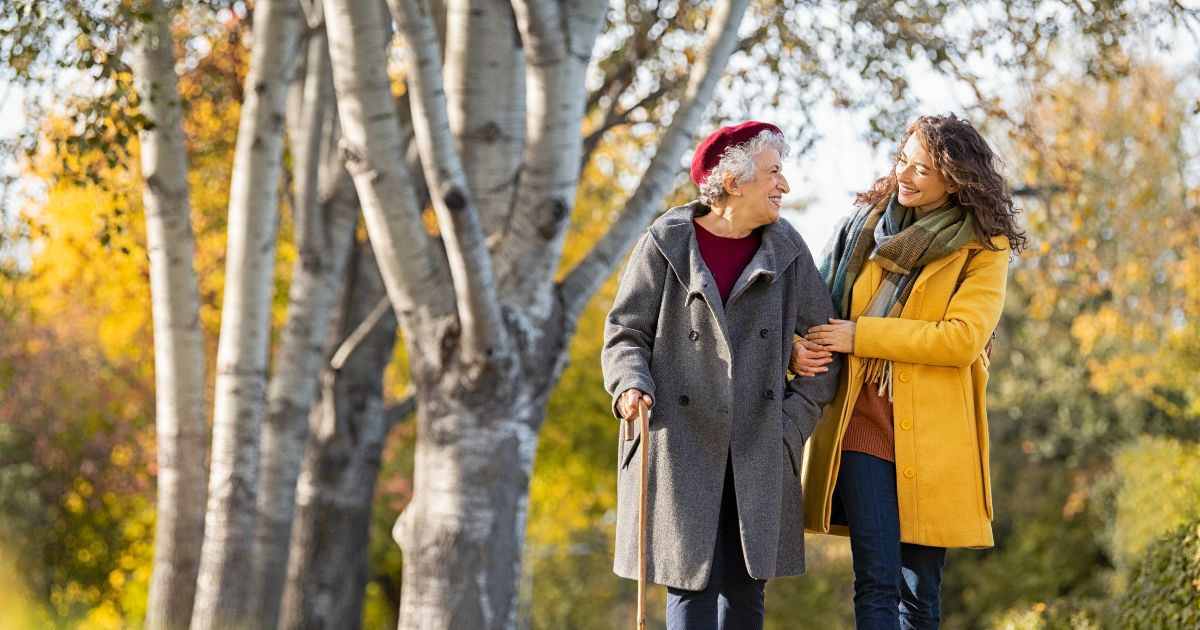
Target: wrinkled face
x=921 y=186
x=761 y=197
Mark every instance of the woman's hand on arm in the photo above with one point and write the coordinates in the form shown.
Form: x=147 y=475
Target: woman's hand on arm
x=809 y=358
x=836 y=336
x=628 y=401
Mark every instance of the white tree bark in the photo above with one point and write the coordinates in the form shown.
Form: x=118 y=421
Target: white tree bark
x=482 y=333
x=413 y=269
x=558 y=44
x=221 y=597
x=478 y=415
x=485 y=93
x=325 y=223
x=327 y=570
x=587 y=276
x=178 y=348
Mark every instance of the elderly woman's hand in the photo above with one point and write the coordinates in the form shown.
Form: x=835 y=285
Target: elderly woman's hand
x=836 y=336
x=627 y=402
x=808 y=358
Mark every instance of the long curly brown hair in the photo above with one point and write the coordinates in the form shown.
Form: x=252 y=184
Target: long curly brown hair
x=964 y=159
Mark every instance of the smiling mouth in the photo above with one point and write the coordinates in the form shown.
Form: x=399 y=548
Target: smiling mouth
x=777 y=200
x=908 y=190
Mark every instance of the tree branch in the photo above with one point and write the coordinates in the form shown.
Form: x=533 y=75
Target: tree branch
x=311 y=94
x=400 y=411
x=360 y=332
x=475 y=290
x=558 y=46
x=721 y=40
x=614 y=119
x=373 y=147
x=485 y=92
x=628 y=57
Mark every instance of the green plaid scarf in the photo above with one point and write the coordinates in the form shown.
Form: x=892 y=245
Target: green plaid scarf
x=890 y=235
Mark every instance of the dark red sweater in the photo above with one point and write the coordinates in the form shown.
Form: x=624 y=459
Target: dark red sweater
x=726 y=257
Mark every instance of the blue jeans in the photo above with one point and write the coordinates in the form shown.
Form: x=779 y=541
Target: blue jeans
x=896 y=585
x=732 y=599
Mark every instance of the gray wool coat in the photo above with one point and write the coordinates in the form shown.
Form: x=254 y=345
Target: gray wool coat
x=717 y=374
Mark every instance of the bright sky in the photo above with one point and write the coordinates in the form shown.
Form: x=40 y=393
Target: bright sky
x=11 y=112
x=12 y=116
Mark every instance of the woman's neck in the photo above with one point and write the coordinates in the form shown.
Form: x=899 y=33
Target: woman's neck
x=723 y=222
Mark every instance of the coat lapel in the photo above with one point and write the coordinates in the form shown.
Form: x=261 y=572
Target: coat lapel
x=774 y=254
x=675 y=237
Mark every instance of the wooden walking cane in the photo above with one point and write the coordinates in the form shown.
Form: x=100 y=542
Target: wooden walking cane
x=643 y=490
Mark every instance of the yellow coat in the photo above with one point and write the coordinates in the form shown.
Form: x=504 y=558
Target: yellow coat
x=940 y=374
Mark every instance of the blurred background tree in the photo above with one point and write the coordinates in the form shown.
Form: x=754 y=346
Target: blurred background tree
x=1093 y=352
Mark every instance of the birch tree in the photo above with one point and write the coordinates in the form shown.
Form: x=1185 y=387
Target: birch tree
x=484 y=355
x=221 y=596
x=327 y=569
x=325 y=215
x=179 y=355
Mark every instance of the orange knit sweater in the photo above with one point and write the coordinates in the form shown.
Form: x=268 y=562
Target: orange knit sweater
x=870 y=429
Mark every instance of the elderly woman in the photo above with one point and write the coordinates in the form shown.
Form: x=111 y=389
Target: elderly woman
x=701 y=328
x=900 y=462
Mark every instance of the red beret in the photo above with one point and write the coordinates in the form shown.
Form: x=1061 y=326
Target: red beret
x=708 y=154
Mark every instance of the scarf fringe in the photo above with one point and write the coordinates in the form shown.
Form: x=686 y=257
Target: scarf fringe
x=879 y=371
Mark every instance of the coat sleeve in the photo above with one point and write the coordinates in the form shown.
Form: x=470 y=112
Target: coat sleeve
x=956 y=341
x=806 y=396
x=632 y=323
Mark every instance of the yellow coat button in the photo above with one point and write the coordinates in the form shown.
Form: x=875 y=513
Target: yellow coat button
x=920 y=288
x=906 y=424
x=909 y=472
x=904 y=377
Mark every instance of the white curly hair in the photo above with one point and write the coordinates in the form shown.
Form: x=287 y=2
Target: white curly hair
x=738 y=162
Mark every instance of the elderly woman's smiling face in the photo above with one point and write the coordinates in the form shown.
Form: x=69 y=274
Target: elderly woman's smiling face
x=758 y=201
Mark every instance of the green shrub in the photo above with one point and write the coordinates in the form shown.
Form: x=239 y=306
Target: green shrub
x=1066 y=614
x=1158 y=489
x=1164 y=587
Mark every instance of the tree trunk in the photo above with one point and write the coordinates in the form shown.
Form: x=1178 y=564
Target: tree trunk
x=178 y=347
x=225 y=563
x=329 y=218
x=485 y=92
x=463 y=532
x=327 y=570
x=483 y=361
x=414 y=268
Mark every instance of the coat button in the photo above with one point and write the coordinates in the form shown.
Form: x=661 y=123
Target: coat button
x=904 y=377
x=909 y=472
x=770 y=394
x=906 y=424
x=683 y=400
x=693 y=335
x=920 y=288
x=763 y=333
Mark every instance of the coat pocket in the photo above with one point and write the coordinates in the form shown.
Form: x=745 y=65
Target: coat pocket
x=629 y=448
x=793 y=443
x=792 y=458
x=979 y=378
